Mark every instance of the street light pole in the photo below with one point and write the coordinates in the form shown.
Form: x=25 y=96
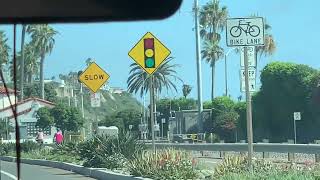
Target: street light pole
x=198 y=60
x=81 y=92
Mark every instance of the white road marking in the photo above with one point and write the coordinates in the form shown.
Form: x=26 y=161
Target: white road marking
x=9 y=175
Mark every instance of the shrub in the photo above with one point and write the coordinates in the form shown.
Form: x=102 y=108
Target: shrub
x=29 y=146
x=109 y=151
x=165 y=164
x=6 y=148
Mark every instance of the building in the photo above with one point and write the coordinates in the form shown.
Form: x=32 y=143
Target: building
x=4 y=100
x=185 y=121
x=26 y=112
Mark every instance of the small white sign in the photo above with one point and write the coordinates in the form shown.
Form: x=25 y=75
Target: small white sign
x=252 y=80
x=95 y=100
x=297 y=116
x=251 y=56
x=252 y=85
x=245 y=31
x=130 y=127
x=163 y=120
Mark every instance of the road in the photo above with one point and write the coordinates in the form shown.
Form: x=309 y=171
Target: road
x=33 y=172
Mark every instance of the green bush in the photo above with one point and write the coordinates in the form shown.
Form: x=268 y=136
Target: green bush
x=109 y=151
x=29 y=146
x=214 y=138
x=6 y=148
x=165 y=164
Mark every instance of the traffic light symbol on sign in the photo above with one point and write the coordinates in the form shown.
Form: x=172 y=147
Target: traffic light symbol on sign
x=149 y=53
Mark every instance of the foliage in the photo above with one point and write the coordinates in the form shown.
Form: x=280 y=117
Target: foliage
x=4 y=49
x=227 y=120
x=4 y=128
x=186 y=89
x=286 y=88
x=67 y=118
x=163 y=78
x=165 y=164
x=42 y=39
x=6 y=148
x=123 y=119
x=33 y=90
x=109 y=151
x=44 y=118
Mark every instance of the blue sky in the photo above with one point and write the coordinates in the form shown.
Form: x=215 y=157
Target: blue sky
x=294 y=27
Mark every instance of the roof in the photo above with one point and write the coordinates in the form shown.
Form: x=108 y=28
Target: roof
x=27 y=100
x=3 y=90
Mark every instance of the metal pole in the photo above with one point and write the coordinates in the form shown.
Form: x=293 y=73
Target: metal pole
x=295 y=131
x=82 y=109
x=198 y=60
x=152 y=113
x=161 y=129
x=249 y=111
x=226 y=74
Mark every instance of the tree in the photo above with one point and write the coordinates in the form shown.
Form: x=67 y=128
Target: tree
x=23 y=32
x=269 y=46
x=67 y=118
x=44 y=118
x=285 y=88
x=4 y=49
x=226 y=123
x=212 y=21
x=186 y=89
x=33 y=90
x=212 y=52
x=42 y=38
x=138 y=79
x=122 y=119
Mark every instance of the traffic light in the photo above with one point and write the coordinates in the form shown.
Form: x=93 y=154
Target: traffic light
x=149 y=53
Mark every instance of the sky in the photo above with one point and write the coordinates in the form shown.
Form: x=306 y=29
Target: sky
x=294 y=27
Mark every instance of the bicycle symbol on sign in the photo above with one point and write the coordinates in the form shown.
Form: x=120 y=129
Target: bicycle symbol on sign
x=252 y=30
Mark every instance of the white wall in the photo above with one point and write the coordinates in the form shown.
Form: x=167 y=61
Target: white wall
x=4 y=100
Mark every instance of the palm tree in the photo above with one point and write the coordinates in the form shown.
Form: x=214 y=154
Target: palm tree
x=211 y=53
x=43 y=41
x=162 y=78
x=269 y=43
x=23 y=32
x=32 y=63
x=186 y=89
x=212 y=20
x=4 y=49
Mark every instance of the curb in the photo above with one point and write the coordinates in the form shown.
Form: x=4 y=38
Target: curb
x=90 y=172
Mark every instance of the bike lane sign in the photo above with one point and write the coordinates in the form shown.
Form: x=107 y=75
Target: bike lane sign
x=245 y=31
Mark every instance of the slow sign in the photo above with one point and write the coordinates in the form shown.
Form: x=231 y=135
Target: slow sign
x=94 y=77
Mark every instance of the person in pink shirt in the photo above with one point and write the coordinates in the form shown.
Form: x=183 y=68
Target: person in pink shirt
x=58 y=137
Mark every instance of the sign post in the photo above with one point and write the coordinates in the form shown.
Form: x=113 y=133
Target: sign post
x=149 y=53
x=296 y=117
x=246 y=32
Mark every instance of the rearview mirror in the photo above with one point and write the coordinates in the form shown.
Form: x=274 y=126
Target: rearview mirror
x=51 y=11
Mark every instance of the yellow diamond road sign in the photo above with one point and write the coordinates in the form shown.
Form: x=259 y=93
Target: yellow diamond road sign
x=94 y=77
x=149 y=53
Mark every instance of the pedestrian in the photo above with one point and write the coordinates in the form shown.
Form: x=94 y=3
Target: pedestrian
x=40 y=137
x=58 y=137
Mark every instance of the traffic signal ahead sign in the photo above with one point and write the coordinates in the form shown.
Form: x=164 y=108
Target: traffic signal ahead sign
x=149 y=53
x=94 y=77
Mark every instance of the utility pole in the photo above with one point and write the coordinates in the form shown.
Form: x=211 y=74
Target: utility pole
x=198 y=60
x=249 y=110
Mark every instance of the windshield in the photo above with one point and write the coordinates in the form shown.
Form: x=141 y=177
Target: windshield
x=220 y=90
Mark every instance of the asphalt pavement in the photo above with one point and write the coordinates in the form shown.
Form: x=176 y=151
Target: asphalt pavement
x=33 y=172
